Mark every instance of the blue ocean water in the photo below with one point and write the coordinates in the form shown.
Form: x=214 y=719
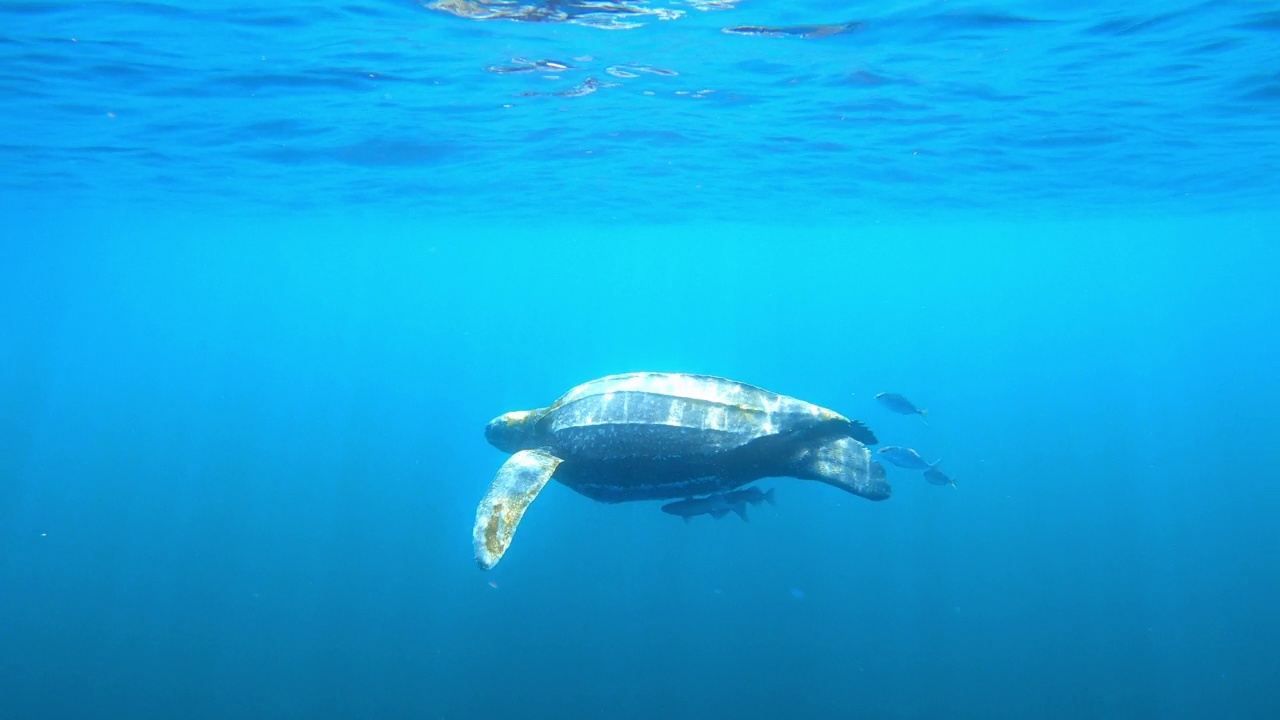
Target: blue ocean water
x=266 y=272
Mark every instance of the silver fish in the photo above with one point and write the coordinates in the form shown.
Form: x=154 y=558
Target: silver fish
x=905 y=457
x=901 y=405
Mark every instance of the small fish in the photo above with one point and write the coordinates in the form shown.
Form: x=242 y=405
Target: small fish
x=937 y=477
x=717 y=506
x=751 y=495
x=899 y=404
x=905 y=457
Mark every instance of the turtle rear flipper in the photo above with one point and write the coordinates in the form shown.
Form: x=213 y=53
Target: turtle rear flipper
x=846 y=464
x=517 y=483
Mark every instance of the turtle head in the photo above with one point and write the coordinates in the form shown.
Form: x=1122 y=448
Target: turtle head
x=514 y=431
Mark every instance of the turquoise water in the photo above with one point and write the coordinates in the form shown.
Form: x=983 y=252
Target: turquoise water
x=917 y=107
x=265 y=274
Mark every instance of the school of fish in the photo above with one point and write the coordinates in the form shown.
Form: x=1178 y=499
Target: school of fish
x=905 y=457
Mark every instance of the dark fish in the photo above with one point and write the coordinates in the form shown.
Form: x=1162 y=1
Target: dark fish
x=937 y=477
x=899 y=404
x=905 y=457
x=717 y=506
x=751 y=495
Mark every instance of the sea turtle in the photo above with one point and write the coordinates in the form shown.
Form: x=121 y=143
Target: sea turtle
x=654 y=436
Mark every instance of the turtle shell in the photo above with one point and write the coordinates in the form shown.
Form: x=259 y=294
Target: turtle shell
x=672 y=415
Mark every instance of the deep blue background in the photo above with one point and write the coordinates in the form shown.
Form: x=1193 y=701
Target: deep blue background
x=253 y=321
x=240 y=469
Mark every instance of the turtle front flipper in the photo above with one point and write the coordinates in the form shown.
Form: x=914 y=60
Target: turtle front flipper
x=517 y=483
x=846 y=464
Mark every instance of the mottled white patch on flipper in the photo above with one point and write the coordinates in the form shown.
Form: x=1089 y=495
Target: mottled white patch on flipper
x=846 y=464
x=517 y=483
